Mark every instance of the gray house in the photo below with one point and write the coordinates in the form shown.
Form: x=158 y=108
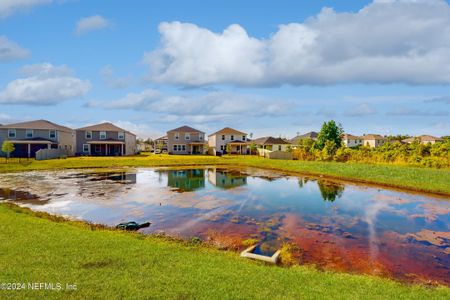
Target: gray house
x=186 y=140
x=30 y=137
x=105 y=139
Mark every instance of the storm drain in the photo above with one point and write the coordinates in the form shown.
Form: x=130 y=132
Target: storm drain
x=248 y=253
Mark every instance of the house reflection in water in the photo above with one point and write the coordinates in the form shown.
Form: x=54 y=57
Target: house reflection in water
x=118 y=177
x=226 y=179
x=186 y=180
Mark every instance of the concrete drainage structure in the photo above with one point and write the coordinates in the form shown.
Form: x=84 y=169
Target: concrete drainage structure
x=248 y=253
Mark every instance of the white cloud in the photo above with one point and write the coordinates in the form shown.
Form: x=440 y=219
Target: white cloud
x=395 y=41
x=10 y=7
x=91 y=23
x=209 y=107
x=10 y=50
x=44 y=84
x=142 y=130
x=110 y=79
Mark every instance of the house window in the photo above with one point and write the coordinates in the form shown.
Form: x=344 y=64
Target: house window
x=121 y=135
x=223 y=137
x=29 y=133
x=187 y=136
x=279 y=147
x=243 y=137
x=11 y=133
x=86 y=148
x=232 y=137
x=177 y=136
x=103 y=135
x=52 y=134
x=88 y=135
x=200 y=136
x=183 y=147
x=174 y=147
x=221 y=147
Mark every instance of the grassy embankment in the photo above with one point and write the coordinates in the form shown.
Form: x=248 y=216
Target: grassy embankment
x=400 y=176
x=110 y=264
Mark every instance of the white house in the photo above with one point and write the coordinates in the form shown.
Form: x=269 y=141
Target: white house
x=237 y=141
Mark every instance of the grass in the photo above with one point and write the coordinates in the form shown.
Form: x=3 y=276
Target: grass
x=103 y=263
x=398 y=176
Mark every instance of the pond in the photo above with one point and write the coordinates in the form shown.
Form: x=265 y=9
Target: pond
x=333 y=225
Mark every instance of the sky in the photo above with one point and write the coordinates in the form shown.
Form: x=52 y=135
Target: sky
x=275 y=68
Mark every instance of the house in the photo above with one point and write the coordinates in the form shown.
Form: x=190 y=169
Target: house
x=228 y=139
x=423 y=139
x=105 y=139
x=226 y=179
x=310 y=135
x=373 y=140
x=275 y=148
x=143 y=146
x=29 y=137
x=186 y=140
x=351 y=141
x=161 y=143
x=186 y=180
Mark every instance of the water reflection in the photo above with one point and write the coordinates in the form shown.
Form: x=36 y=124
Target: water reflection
x=344 y=227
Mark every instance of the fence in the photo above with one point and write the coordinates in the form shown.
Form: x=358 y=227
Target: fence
x=275 y=154
x=44 y=154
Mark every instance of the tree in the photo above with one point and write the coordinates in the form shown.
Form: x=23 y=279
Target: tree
x=7 y=147
x=330 y=132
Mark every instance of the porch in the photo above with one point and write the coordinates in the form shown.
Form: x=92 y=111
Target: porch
x=106 y=148
x=28 y=148
x=196 y=148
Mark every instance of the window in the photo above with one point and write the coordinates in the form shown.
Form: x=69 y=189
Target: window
x=177 y=135
x=52 y=134
x=243 y=137
x=29 y=133
x=88 y=135
x=174 y=147
x=232 y=137
x=86 y=148
x=279 y=147
x=11 y=133
x=187 y=136
x=200 y=136
x=183 y=147
x=221 y=147
x=223 y=137
x=121 y=135
x=103 y=135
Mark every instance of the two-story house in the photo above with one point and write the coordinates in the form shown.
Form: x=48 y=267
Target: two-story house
x=186 y=140
x=30 y=137
x=228 y=139
x=423 y=139
x=105 y=139
x=373 y=140
x=351 y=141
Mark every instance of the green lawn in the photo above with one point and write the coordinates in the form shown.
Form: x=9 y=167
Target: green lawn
x=413 y=178
x=109 y=264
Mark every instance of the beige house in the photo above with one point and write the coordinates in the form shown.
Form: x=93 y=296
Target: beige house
x=161 y=143
x=30 y=137
x=236 y=140
x=351 y=141
x=373 y=140
x=186 y=140
x=105 y=139
x=423 y=139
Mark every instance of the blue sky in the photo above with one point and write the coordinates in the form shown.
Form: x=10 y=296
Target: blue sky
x=268 y=68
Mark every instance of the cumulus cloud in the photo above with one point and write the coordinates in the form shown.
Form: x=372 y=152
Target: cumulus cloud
x=10 y=7
x=209 y=107
x=395 y=41
x=43 y=84
x=110 y=79
x=10 y=50
x=91 y=23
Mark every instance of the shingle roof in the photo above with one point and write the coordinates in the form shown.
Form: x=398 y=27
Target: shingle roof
x=38 y=125
x=104 y=127
x=372 y=137
x=185 y=129
x=309 y=135
x=228 y=130
x=422 y=138
x=350 y=137
x=268 y=140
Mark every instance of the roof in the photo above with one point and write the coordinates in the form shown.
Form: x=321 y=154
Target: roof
x=228 y=130
x=422 y=138
x=350 y=137
x=106 y=126
x=372 y=137
x=185 y=129
x=309 y=135
x=269 y=140
x=38 y=125
x=162 y=138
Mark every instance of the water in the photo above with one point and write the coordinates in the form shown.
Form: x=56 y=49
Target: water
x=333 y=225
